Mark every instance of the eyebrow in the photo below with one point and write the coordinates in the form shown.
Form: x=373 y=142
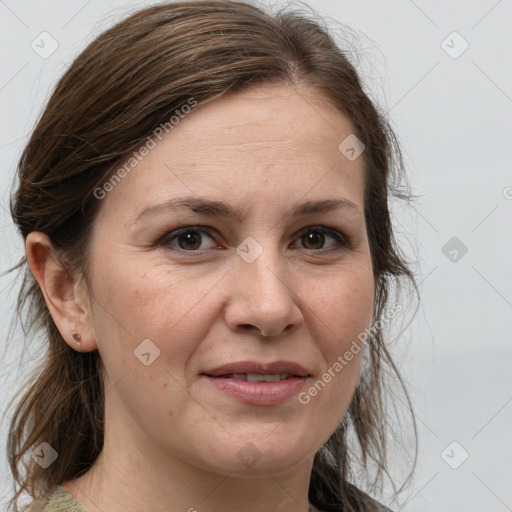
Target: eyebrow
x=218 y=208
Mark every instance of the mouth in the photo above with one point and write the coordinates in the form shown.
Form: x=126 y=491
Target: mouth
x=259 y=383
x=255 y=377
x=250 y=370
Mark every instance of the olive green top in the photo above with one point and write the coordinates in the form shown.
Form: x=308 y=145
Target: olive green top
x=56 y=500
x=59 y=500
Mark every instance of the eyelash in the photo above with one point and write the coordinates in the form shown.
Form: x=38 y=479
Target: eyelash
x=343 y=241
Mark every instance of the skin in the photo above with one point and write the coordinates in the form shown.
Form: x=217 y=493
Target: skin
x=171 y=438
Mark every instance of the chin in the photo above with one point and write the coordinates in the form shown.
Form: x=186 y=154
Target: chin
x=256 y=458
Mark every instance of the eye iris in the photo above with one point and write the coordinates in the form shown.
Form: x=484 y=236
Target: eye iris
x=313 y=237
x=189 y=238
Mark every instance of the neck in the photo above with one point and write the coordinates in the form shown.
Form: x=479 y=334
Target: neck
x=133 y=480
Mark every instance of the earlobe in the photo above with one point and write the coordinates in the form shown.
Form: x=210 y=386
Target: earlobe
x=59 y=289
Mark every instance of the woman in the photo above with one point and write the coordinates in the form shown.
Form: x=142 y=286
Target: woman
x=209 y=252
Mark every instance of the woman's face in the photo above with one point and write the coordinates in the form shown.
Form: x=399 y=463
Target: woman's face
x=168 y=308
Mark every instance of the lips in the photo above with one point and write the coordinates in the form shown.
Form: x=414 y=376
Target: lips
x=254 y=383
x=288 y=368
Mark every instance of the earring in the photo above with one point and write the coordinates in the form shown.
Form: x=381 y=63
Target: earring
x=77 y=339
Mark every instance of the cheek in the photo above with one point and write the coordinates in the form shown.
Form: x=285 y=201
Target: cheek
x=343 y=308
x=149 y=315
x=135 y=302
x=340 y=312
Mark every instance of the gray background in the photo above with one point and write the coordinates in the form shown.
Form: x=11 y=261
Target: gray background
x=452 y=111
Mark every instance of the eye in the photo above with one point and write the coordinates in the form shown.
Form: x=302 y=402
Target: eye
x=187 y=239
x=190 y=239
x=314 y=238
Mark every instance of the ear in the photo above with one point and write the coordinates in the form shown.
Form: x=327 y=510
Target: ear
x=66 y=298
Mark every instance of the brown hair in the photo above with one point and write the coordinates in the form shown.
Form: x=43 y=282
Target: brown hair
x=127 y=82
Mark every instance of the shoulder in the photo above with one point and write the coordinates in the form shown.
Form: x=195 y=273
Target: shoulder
x=372 y=505
x=369 y=506
x=361 y=500
x=356 y=500
x=55 y=500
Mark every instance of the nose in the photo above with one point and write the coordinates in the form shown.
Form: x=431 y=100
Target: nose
x=263 y=300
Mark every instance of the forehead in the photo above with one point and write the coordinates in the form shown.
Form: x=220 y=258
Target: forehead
x=271 y=118
x=275 y=142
